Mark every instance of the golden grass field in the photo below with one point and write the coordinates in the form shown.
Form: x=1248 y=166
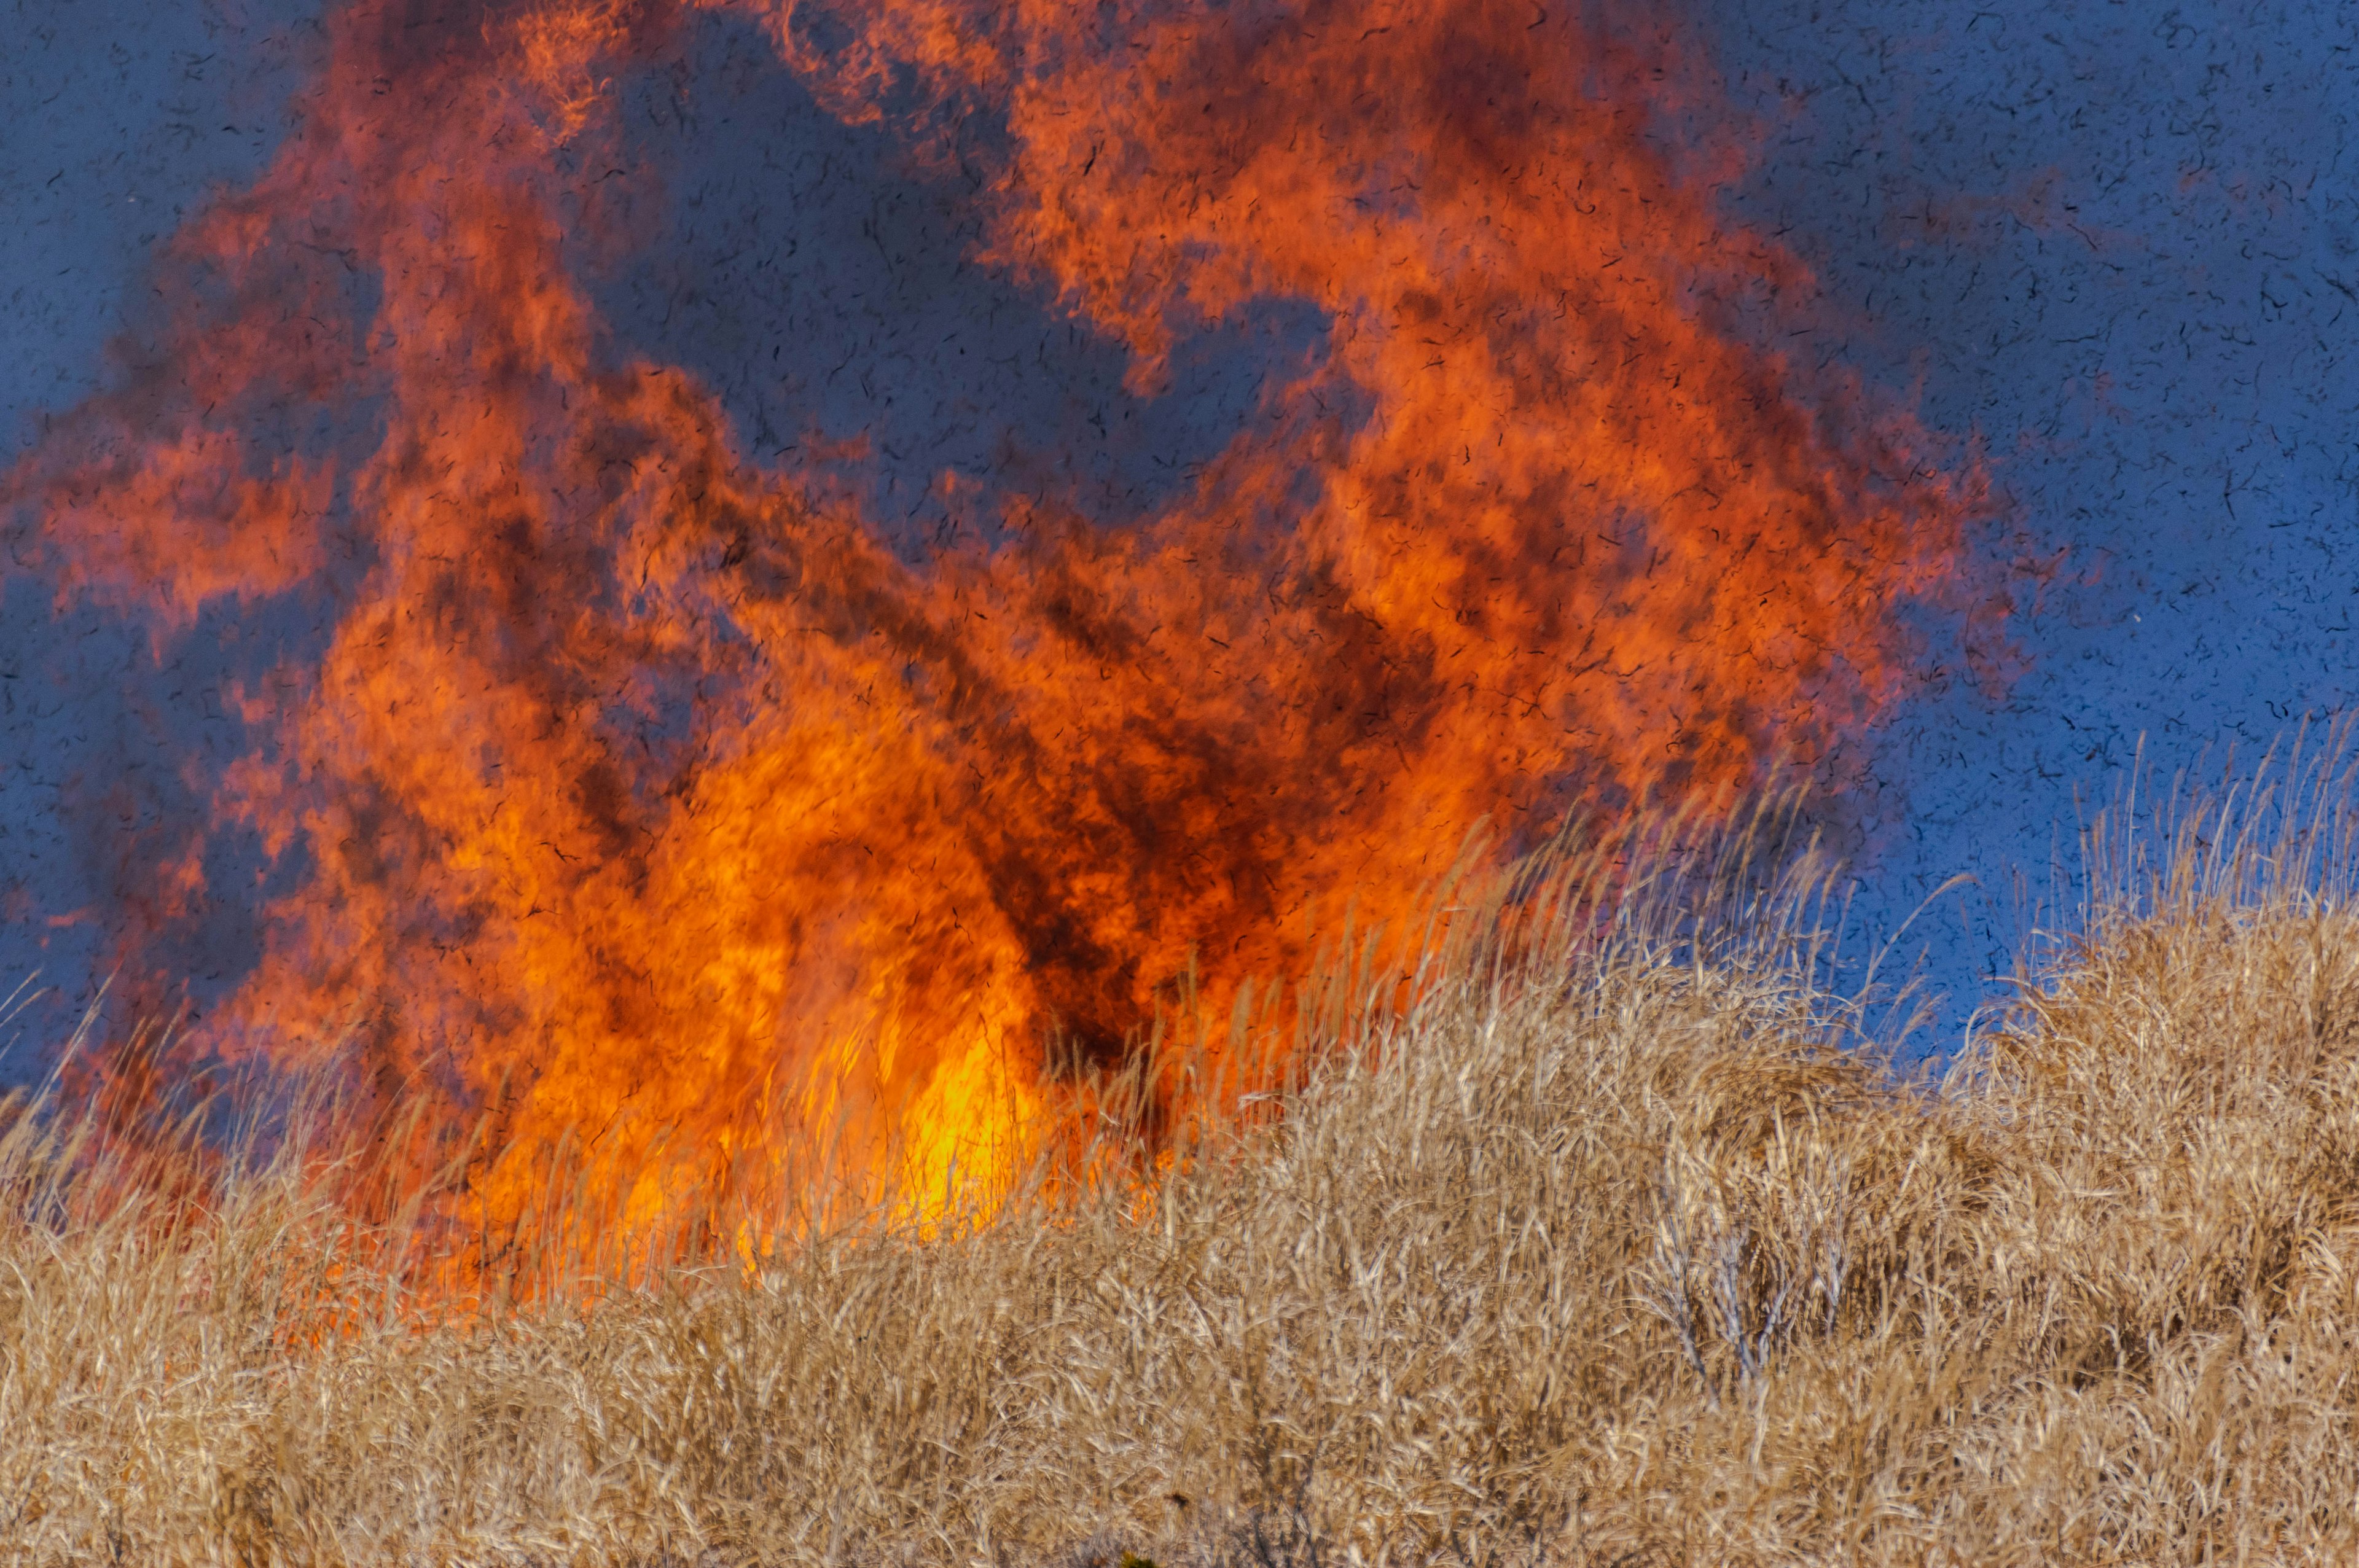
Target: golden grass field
x=1617 y=1245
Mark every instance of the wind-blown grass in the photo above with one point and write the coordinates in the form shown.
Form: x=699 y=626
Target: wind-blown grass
x=1614 y=1242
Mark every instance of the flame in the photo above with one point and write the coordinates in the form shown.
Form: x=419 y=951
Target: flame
x=642 y=796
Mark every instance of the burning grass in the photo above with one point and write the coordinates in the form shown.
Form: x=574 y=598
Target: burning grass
x=1614 y=1245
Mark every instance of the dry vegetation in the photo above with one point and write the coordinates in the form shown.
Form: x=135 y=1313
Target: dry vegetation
x=1615 y=1248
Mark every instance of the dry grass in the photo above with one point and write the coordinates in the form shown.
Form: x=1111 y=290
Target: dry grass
x=1613 y=1248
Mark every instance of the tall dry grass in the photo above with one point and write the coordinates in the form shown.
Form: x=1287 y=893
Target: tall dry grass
x=1613 y=1242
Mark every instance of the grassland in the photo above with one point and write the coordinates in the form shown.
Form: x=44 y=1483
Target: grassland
x=1617 y=1243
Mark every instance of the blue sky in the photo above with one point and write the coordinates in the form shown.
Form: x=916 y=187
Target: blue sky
x=2119 y=241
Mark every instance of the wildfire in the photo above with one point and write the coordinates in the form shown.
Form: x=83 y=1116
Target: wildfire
x=647 y=803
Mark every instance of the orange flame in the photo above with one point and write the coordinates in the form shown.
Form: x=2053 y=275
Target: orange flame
x=642 y=799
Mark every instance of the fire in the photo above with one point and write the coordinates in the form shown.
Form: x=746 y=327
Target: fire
x=644 y=803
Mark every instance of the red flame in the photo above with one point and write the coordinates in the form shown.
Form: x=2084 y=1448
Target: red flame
x=641 y=793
